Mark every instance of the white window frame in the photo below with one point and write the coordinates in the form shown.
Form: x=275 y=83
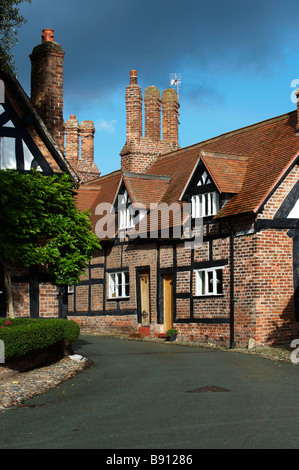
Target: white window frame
x=205 y=204
x=207 y=281
x=125 y=213
x=118 y=284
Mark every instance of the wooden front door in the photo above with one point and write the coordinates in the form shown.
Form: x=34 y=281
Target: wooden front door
x=145 y=298
x=168 y=301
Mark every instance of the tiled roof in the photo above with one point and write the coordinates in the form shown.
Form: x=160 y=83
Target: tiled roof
x=97 y=191
x=248 y=163
x=145 y=189
x=227 y=171
x=257 y=157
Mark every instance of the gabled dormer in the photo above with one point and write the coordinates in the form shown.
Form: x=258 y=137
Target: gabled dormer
x=202 y=193
x=204 y=196
x=215 y=179
x=129 y=214
x=124 y=209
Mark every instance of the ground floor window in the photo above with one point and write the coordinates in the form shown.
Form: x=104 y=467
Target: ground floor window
x=119 y=284
x=209 y=281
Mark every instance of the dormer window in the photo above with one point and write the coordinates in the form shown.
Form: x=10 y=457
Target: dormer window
x=202 y=193
x=204 y=179
x=125 y=212
x=128 y=216
x=204 y=205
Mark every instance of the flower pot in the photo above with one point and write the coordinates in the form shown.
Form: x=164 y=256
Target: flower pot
x=171 y=338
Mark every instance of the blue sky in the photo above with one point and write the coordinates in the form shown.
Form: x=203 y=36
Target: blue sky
x=237 y=60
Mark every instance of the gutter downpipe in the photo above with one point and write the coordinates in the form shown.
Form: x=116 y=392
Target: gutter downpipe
x=232 y=288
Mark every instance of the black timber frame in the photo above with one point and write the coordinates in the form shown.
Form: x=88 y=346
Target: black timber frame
x=19 y=132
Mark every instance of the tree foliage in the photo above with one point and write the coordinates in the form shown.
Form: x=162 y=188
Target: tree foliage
x=10 y=21
x=42 y=226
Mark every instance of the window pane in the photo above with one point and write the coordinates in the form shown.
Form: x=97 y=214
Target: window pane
x=201 y=284
x=219 y=281
x=215 y=203
x=8 y=153
x=111 y=285
x=210 y=286
x=127 y=284
x=8 y=124
x=28 y=157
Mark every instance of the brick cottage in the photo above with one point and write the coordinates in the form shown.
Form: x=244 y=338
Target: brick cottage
x=241 y=191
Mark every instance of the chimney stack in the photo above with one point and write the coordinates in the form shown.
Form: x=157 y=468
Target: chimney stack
x=152 y=113
x=72 y=136
x=47 y=84
x=170 y=109
x=134 y=108
x=139 y=152
x=87 y=129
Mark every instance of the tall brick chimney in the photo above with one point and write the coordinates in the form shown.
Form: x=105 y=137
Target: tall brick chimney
x=134 y=107
x=87 y=129
x=152 y=113
x=139 y=152
x=72 y=141
x=47 y=84
x=170 y=107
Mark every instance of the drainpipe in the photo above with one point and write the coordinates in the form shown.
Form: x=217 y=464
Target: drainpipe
x=232 y=292
x=232 y=288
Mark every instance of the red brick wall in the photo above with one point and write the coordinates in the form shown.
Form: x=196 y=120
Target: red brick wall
x=263 y=289
x=275 y=320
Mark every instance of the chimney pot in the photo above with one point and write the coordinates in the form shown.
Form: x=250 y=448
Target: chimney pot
x=48 y=35
x=133 y=77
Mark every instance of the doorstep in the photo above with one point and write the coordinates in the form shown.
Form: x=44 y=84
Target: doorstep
x=144 y=331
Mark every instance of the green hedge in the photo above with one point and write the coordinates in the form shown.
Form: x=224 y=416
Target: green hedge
x=27 y=335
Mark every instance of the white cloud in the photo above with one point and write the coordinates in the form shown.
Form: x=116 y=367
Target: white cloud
x=105 y=126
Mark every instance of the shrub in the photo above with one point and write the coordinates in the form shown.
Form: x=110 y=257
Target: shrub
x=27 y=335
x=172 y=331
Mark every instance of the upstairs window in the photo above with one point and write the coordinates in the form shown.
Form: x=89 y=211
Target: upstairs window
x=125 y=212
x=205 y=204
x=128 y=217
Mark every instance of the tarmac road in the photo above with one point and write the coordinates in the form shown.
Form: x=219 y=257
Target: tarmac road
x=141 y=395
